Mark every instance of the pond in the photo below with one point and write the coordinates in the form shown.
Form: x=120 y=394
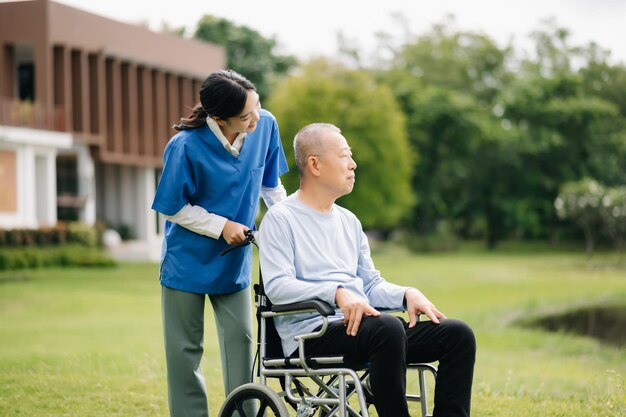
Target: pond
x=605 y=323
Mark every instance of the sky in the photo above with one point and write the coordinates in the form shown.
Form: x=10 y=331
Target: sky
x=308 y=28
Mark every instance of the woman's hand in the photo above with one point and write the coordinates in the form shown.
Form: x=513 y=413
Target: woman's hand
x=233 y=232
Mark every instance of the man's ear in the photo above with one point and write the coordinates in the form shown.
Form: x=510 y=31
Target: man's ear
x=313 y=164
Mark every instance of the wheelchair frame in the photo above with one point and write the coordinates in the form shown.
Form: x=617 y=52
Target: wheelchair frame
x=332 y=397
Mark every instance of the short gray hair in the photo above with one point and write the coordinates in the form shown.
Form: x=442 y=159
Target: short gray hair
x=307 y=142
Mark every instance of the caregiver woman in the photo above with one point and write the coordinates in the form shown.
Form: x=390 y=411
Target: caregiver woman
x=227 y=153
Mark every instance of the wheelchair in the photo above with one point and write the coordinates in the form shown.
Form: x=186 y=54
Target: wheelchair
x=327 y=385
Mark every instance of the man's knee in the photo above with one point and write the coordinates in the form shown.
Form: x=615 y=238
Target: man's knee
x=387 y=331
x=460 y=334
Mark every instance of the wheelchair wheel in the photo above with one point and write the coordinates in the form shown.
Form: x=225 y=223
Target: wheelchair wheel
x=252 y=400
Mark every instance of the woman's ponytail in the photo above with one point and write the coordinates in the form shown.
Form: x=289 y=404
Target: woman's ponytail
x=196 y=119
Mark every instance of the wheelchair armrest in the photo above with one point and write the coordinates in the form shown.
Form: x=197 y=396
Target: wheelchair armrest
x=320 y=306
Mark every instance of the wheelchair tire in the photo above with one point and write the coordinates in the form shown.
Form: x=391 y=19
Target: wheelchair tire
x=256 y=396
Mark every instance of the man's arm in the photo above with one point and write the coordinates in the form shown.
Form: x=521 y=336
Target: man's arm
x=385 y=294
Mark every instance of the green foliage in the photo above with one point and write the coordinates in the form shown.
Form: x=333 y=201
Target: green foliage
x=595 y=209
x=42 y=257
x=61 y=233
x=465 y=62
x=248 y=52
x=614 y=215
x=442 y=239
x=497 y=135
x=374 y=126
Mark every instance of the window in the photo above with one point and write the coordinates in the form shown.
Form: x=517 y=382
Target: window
x=26 y=81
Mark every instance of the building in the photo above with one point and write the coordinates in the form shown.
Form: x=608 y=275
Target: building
x=86 y=108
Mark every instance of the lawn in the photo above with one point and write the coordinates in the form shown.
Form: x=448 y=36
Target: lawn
x=87 y=342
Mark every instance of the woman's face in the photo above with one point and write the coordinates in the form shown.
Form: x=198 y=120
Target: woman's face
x=244 y=122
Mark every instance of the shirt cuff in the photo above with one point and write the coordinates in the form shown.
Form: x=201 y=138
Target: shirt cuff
x=198 y=220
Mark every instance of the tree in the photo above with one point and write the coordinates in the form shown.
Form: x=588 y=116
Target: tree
x=447 y=84
x=582 y=202
x=569 y=133
x=373 y=124
x=248 y=52
x=466 y=62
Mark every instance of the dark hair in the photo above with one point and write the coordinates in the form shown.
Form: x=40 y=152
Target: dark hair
x=223 y=94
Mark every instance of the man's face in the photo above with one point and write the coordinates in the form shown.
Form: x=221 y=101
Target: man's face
x=336 y=165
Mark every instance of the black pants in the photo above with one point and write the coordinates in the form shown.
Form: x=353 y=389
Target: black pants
x=387 y=344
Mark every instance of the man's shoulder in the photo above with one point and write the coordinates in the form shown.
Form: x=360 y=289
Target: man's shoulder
x=344 y=212
x=282 y=208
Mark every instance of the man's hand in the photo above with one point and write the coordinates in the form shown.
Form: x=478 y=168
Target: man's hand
x=233 y=232
x=417 y=303
x=353 y=308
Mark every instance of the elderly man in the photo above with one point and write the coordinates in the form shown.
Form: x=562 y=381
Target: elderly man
x=312 y=248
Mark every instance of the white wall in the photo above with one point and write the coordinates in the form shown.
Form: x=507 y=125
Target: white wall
x=124 y=197
x=35 y=151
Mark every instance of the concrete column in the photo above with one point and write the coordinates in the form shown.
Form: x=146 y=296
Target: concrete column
x=86 y=184
x=26 y=187
x=146 y=224
x=128 y=197
x=51 y=168
x=111 y=203
x=45 y=192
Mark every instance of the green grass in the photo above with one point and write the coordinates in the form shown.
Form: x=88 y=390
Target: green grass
x=87 y=342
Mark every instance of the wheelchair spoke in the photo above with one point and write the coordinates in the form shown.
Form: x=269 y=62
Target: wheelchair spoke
x=239 y=406
x=262 y=408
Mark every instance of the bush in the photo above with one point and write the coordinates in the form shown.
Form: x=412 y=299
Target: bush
x=442 y=239
x=595 y=208
x=63 y=255
x=62 y=233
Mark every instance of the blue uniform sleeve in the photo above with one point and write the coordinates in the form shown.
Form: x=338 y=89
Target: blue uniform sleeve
x=275 y=161
x=176 y=186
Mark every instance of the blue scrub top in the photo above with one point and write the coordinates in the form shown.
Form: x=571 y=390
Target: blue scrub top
x=199 y=171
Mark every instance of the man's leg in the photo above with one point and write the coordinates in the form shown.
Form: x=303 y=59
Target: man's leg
x=452 y=343
x=183 y=331
x=380 y=342
x=233 y=319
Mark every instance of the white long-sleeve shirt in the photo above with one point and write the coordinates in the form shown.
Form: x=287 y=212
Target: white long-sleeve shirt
x=306 y=254
x=197 y=218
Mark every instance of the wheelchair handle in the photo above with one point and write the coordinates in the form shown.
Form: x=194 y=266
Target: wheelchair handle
x=250 y=238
